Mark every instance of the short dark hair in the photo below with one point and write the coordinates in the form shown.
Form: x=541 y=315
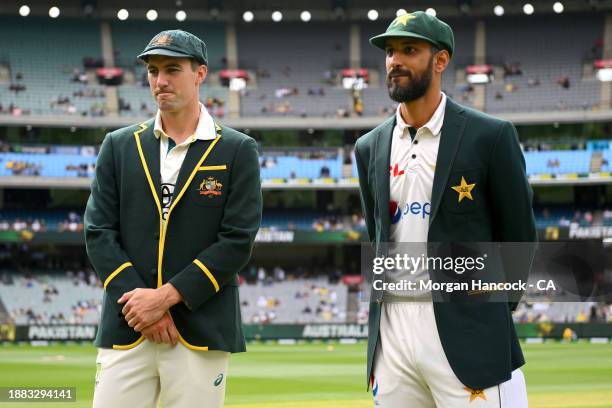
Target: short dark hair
x=195 y=64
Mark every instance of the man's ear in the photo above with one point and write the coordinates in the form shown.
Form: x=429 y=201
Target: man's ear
x=202 y=72
x=442 y=59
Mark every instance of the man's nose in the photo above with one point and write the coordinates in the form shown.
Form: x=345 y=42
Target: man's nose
x=161 y=80
x=393 y=62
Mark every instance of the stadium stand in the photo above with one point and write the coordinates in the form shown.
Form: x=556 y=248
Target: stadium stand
x=323 y=164
x=57 y=297
x=74 y=297
x=544 y=57
x=296 y=301
x=294 y=59
x=42 y=60
x=46 y=165
x=290 y=219
x=560 y=312
x=299 y=75
x=558 y=162
x=290 y=164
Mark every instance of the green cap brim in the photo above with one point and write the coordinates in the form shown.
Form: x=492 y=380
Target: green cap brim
x=162 y=51
x=381 y=40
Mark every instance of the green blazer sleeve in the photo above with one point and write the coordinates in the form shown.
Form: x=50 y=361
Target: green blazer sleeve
x=511 y=194
x=367 y=201
x=216 y=265
x=102 y=236
x=511 y=203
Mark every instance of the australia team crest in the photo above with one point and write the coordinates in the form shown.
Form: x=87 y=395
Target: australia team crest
x=210 y=187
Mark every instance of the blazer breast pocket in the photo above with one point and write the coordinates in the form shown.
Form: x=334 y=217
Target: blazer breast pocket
x=464 y=191
x=210 y=185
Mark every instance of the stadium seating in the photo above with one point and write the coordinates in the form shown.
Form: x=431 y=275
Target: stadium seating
x=553 y=162
x=45 y=53
x=296 y=301
x=607 y=156
x=303 y=56
x=58 y=165
x=302 y=220
x=301 y=301
x=47 y=165
x=78 y=300
x=294 y=56
x=558 y=312
x=287 y=167
x=561 y=49
x=558 y=162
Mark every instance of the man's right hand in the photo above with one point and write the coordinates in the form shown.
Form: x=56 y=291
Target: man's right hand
x=162 y=331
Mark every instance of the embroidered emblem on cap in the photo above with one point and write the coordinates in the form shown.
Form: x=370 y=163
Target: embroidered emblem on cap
x=403 y=20
x=162 y=40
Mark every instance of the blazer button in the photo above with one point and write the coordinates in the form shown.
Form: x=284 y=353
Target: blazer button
x=156 y=235
x=153 y=271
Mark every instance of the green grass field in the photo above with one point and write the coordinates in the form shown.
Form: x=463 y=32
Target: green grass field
x=558 y=375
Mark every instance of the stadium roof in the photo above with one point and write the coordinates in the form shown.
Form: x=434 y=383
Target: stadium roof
x=231 y=10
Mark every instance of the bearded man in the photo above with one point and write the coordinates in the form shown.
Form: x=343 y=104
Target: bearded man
x=439 y=172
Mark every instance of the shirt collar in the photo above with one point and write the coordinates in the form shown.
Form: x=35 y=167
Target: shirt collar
x=204 y=131
x=434 y=125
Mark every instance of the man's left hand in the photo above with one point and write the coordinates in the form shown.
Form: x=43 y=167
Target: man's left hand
x=143 y=307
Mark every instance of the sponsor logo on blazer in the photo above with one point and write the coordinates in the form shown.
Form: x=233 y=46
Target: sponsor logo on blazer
x=210 y=187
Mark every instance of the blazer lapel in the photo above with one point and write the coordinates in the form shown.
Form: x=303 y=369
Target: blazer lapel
x=196 y=155
x=450 y=138
x=148 y=146
x=382 y=165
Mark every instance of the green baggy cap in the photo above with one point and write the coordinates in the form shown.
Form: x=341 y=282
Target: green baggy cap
x=418 y=25
x=176 y=43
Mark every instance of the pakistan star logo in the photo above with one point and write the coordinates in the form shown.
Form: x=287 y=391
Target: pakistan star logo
x=474 y=394
x=464 y=189
x=403 y=20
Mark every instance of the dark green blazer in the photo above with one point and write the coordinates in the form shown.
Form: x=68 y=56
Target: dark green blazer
x=206 y=240
x=479 y=339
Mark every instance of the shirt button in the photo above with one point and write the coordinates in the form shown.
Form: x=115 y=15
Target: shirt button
x=153 y=271
x=414 y=156
x=416 y=142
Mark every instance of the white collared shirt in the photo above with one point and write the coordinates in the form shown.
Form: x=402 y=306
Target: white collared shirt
x=170 y=162
x=413 y=165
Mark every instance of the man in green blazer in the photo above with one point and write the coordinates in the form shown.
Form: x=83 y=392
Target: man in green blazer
x=174 y=209
x=439 y=172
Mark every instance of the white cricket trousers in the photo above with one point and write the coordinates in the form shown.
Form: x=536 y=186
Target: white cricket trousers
x=152 y=374
x=411 y=369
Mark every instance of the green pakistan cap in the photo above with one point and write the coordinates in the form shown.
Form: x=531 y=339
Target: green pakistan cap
x=418 y=25
x=176 y=43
